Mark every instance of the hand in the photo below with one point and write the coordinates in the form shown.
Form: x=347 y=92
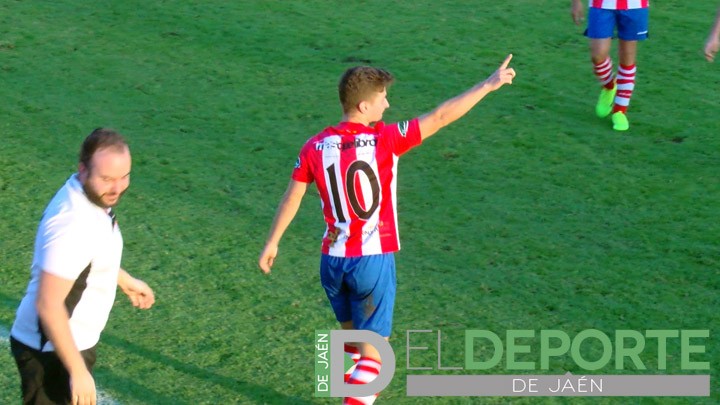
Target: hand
x=502 y=76
x=82 y=388
x=577 y=12
x=267 y=257
x=711 y=48
x=139 y=293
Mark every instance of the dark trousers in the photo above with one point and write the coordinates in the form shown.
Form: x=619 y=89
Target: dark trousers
x=44 y=379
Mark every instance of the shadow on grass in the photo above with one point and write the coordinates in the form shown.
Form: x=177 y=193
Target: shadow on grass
x=138 y=391
x=250 y=391
x=132 y=388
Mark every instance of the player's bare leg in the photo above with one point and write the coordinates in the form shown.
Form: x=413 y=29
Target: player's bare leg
x=627 y=52
x=600 y=49
x=366 y=349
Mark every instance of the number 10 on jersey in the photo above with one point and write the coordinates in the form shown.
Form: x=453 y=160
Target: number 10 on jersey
x=351 y=178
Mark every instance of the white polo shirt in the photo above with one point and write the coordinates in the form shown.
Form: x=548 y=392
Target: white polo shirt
x=78 y=241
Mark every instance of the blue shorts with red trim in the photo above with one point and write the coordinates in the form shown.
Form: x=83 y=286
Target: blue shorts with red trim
x=361 y=289
x=632 y=25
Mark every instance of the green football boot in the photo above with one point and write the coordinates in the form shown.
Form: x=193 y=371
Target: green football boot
x=620 y=121
x=605 y=102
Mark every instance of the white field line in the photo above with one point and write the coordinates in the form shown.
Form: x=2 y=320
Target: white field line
x=103 y=398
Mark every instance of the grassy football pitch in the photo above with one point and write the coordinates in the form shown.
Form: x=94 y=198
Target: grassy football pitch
x=528 y=213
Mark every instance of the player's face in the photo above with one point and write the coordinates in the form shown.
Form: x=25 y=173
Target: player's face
x=377 y=106
x=107 y=178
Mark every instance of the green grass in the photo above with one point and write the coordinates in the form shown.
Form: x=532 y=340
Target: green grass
x=529 y=213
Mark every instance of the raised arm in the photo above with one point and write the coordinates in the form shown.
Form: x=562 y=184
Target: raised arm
x=712 y=45
x=285 y=213
x=454 y=108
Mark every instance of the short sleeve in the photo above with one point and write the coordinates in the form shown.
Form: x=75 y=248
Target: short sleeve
x=303 y=169
x=401 y=136
x=64 y=246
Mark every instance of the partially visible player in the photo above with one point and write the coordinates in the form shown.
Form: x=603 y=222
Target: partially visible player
x=74 y=277
x=712 y=45
x=354 y=166
x=630 y=18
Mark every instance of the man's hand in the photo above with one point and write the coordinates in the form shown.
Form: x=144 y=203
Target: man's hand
x=578 y=12
x=711 y=48
x=139 y=293
x=82 y=388
x=504 y=75
x=267 y=257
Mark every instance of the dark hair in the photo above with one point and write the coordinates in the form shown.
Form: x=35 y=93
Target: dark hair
x=358 y=83
x=101 y=138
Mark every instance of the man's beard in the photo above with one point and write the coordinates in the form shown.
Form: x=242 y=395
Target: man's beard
x=97 y=199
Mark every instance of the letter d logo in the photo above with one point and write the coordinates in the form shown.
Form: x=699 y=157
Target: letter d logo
x=338 y=387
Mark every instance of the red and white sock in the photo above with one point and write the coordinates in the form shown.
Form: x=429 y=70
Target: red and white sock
x=604 y=72
x=625 y=86
x=366 y=370
x=354 y=354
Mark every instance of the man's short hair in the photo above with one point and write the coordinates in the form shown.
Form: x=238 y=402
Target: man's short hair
x=101 y=138
x=359 y=83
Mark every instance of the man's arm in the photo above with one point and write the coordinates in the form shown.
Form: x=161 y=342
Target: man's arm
x=577 y=11
x=56 y=325
x=285 y=213
x=140 y=294
x=712 y=45
x=449 y=111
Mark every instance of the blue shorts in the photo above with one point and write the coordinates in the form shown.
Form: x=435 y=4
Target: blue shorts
x=632 y=25
x=361 y=289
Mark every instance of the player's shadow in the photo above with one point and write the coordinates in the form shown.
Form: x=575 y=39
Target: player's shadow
x=251 y=393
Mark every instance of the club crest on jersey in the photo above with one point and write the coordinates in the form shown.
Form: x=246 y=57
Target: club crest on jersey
x=403 y=127
x=297 y=163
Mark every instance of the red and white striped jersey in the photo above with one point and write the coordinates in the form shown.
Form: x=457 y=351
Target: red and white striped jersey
x=619 y=4
x=355 y=169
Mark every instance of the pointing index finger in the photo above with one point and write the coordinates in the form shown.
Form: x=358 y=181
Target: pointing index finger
x=506 y=62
